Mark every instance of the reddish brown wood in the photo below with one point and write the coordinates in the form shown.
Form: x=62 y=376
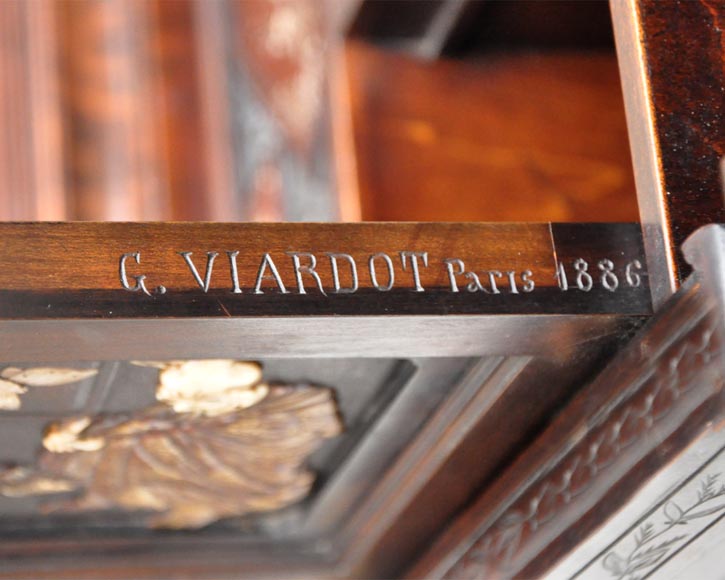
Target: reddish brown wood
x=146 y=101
x=111 y=147
x=180 y=121
x=32 y=253
x=31 y=155
x=507 y=137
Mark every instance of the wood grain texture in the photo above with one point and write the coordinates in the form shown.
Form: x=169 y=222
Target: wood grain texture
x=672 y=57
x=32 y=182
x=74 y=270
x=667 y=384
x=108 y=101
x=657 y=398
x=507 y=137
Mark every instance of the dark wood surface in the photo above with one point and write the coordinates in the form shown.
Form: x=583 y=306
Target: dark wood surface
x=516 y=506
x=483 y=379
x=655 y=398
x=671 y=56
x=65 y=280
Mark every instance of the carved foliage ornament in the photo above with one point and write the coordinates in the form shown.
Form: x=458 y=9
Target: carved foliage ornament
x=219 y=443
x=668 y=384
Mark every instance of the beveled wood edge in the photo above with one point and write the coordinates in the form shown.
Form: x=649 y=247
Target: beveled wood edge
x=555 y=336
x=670 y=377
x=320 y=557
x=475 y=394
x=670 y=60
x=644 y=147
x=666 y=485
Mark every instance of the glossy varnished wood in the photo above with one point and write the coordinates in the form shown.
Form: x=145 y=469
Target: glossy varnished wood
x=64 y=300
x=653 y=401
x=73 y=270
x=65 y=279
x=671 y=56
x=467 y=140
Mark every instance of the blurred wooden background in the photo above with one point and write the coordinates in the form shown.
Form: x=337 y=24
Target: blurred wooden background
x=305 y=110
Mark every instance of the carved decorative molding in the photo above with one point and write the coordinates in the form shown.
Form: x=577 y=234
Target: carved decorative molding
x=220 y=443
x=667 y=383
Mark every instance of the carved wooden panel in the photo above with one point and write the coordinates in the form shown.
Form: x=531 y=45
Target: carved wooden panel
x=139 y=418
x=178 y=444
x=679 y=532
x=654 y=400
x=214 y=419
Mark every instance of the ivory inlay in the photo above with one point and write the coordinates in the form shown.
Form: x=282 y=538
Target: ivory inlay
x=219 y=443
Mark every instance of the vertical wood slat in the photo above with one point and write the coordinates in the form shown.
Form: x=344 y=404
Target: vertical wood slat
x=671 y=56
x=114 y=111
x=31 y=176
x=106 y=92
x=50 y=191
x=13 y=177
x=211 y=17
x=193 y=109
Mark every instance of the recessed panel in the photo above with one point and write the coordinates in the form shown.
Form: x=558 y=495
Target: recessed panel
x=205 y=446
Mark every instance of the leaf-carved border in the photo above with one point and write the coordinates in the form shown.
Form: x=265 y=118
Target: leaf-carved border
x=667 y=384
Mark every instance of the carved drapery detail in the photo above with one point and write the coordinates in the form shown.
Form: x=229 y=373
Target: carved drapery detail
x=666 y=384
x=220 y=443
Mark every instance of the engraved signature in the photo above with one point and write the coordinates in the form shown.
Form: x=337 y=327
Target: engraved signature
x=384 y=272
